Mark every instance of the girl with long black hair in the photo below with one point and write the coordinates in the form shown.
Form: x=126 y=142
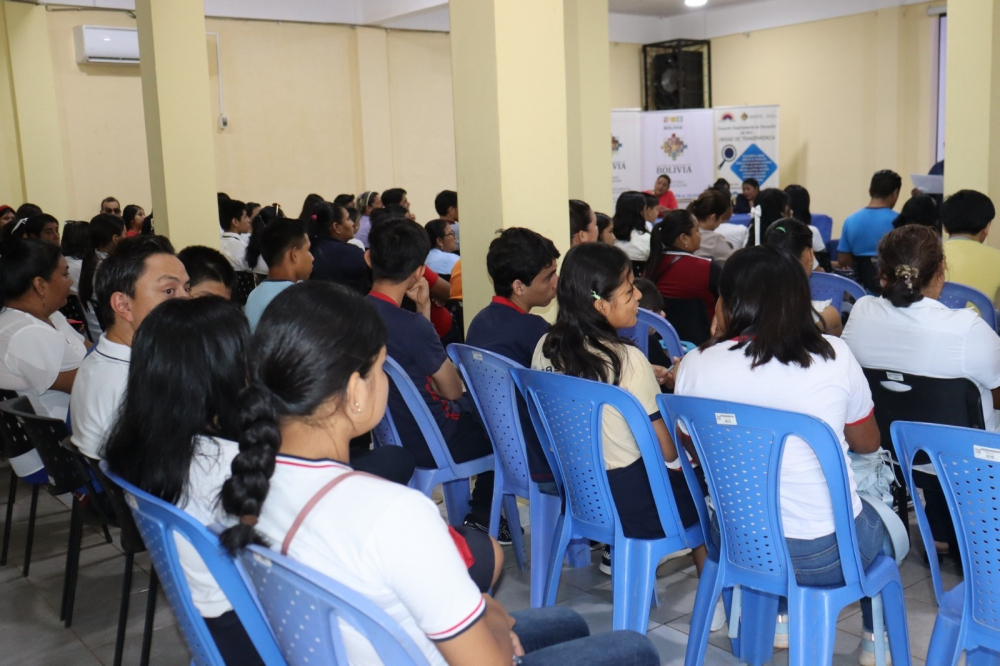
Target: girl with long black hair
x=631 y=232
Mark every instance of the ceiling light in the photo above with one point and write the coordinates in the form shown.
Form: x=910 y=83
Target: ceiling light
x=695 y=3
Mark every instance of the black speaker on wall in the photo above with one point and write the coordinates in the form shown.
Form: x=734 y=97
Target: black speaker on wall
x=677 y=74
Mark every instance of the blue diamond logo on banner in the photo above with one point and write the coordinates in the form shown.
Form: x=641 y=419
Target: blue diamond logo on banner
x=753 y=163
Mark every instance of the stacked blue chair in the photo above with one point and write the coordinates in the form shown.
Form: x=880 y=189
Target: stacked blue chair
x=967 y=463
x=305 y=609
x=487 y=376
x=567 y=413
x=454 y=477
x=159 y=522
x=958 y=296
x=740 y=448
x=639 y=334
x=830 y=287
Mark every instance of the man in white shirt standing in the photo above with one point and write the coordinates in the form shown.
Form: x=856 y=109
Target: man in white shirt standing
x=235 y=223
x=139 y=274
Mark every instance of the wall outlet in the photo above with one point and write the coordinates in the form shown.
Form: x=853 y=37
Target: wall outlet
x=223 y=122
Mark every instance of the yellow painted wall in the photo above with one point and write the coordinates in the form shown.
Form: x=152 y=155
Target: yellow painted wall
x=11 y=183
x=855 y=96
x=626 y=76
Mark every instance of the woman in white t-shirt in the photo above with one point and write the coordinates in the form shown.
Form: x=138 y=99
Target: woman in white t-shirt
x=769 y=352
x=795 y=238
x=597 y=296
x=631 y=232
x=40 y=350
x=442 y=257
x=712 y=209
x=316 y=381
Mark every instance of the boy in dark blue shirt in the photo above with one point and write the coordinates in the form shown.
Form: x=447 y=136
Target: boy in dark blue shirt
x=522 y=264
x=398 y=248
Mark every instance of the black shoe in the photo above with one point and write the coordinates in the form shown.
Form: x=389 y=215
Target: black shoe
x=503 y=534
x=605 y=565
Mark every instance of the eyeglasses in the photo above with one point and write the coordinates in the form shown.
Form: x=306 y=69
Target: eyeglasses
x=113 y=211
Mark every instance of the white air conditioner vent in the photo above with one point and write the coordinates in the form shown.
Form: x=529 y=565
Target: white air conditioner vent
x=109 y=45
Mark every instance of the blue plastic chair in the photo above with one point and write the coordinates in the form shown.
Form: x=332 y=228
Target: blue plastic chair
x=741 y=218
x=639 y=334
x=825 y=225
x=305 y=609
x=740 y=448
x=827 y=286
x=967 y=466
x=159 y=522
x=958 y=296
x=487 y=377
x=453 y=476
x=567 y=413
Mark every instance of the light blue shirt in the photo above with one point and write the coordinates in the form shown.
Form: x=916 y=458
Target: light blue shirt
x=259 y=298
x=863 y=230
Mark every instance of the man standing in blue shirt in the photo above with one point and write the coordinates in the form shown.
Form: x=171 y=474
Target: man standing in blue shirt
x=522 y=265
x=859 y=239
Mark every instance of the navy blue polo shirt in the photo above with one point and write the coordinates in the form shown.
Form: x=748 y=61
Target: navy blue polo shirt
x=504 y=328
x=343 y=263
x=414 y=344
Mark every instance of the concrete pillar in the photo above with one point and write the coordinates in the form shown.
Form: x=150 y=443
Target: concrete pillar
x=175 y=94
x=588 y=101
x=509 y=81
x=372 y=116
x=972 y=125
x=28 y=113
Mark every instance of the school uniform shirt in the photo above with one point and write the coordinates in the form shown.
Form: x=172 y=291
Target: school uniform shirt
x=441 y=262
x=356 y=243
x=636 y=247
x=736 y=234
x=210 y=467
x=414 y=344
x=261 y=297
x=682 y=275
x=863 y=230
x=620 y=447
x=75 y=268
x=383 y=540
x=504 y=328
x=340 y=262
x=34 y=354
x=927 y=339
x=973 y=264
x=714 y=246
x=819 y=245
x=97 y=393
x=364 y=228
x=234 y=247
x=832 y=390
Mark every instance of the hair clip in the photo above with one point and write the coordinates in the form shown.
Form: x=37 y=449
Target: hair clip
x=781 y=229
x=908 y=273
x=18 y=224
x=596 y=296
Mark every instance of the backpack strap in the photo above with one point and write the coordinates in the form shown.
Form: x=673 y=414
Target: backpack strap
x=311 y=504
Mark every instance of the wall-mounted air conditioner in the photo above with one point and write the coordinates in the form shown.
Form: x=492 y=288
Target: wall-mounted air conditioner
x=100 y=44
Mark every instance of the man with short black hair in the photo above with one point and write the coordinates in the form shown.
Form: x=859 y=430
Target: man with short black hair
x=284 y=246
x=235 y=222
x=139 y=274
x=859 y=239
x=397 y=250
x=446 y=205
x=967 y=216
x=522 y=264
x=110 y=206
x=209 y=271
x=395 y=196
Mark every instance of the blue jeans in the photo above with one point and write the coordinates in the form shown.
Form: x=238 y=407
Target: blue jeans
x=817 y=561
x=558 y=636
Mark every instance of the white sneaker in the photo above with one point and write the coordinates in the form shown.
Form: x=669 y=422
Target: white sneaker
x=719 y=619
x=867 y=657
x=781 y=633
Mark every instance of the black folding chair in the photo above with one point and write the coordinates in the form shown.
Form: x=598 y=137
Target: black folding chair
x=16 y=445
x=245 y=283
x=899 y=396
x=73 y=311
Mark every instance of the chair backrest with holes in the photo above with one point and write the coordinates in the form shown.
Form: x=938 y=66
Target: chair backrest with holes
x=958 y=296
x=830 y=287
x=18 y=447
x=639 y=334
x=159 y=523
x=47 y=434
x=967 y=462
x=245 y=283
x=740 y=447
x=306 y=610
x=487 y=377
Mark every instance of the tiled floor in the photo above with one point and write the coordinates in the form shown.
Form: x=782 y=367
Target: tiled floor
x=31 y=633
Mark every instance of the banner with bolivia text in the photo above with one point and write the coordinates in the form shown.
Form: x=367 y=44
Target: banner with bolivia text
x=678 y=144
x=626 y=154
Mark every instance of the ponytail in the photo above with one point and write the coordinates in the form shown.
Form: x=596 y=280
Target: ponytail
x=675 y=224
x=243 y=493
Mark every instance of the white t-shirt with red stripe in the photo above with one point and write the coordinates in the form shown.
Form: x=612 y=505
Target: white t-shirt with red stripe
x=381 y=539
x=832 y=390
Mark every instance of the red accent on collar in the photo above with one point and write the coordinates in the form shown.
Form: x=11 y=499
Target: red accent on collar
x=382 y=297
x=500 y=300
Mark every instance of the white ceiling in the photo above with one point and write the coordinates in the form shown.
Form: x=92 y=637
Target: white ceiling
x=664 y=7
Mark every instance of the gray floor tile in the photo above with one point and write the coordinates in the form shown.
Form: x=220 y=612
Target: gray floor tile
x=672 y=644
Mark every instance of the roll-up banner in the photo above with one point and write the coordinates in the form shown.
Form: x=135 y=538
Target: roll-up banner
x=746 y=145
x=626 y=153
x=678 y=144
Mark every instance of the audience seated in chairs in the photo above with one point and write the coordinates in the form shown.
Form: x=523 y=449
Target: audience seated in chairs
x=689 y=283
x=769 y=352
x=597 y=296
x=139 y=274
x=336 y=259
x=209 y=272
x=864 y=229
x=316 y=382
x=796 y=238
